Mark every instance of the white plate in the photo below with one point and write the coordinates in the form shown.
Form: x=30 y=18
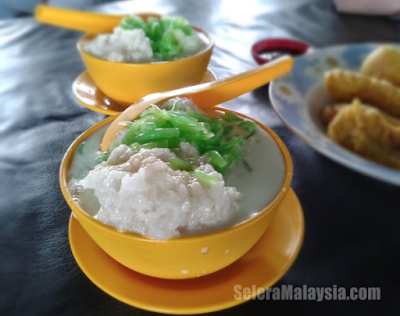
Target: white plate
x=299 y=97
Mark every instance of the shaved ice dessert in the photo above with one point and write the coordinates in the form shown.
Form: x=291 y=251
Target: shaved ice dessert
x=175 y=172
x=137 y=41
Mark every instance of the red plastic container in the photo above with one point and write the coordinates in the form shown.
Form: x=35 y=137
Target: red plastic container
x=266 y=50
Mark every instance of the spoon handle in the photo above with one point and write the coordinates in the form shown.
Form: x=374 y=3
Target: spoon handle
x=90 y=22
x=229 y=88
x=77 y=20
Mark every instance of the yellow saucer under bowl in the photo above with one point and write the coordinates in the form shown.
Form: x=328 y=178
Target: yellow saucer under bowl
x=262 y=266
x=89 y=95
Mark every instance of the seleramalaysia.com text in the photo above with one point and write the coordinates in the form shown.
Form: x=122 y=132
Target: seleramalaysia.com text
x=306 y=293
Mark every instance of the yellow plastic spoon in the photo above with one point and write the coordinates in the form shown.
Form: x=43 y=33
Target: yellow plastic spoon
x=206 y=95
x=89 y=22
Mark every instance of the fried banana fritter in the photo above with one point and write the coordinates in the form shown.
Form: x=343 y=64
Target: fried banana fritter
x=345 y=86
x=368 y=132
x=383 y=63
x=330 y=112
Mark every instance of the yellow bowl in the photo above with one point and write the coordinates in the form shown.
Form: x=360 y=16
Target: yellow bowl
x=176 y=258
x=127 y=83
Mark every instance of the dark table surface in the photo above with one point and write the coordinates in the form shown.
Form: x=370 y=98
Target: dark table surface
x=352 y=222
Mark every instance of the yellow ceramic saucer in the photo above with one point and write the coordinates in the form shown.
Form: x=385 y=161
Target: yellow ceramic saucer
x=89 y=95
x=262 y=266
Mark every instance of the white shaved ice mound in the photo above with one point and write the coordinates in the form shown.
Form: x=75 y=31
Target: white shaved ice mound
x=141 y=193
x=125 y=46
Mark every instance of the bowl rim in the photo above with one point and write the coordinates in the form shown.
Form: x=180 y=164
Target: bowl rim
x=74 y=206
x=86 y=36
